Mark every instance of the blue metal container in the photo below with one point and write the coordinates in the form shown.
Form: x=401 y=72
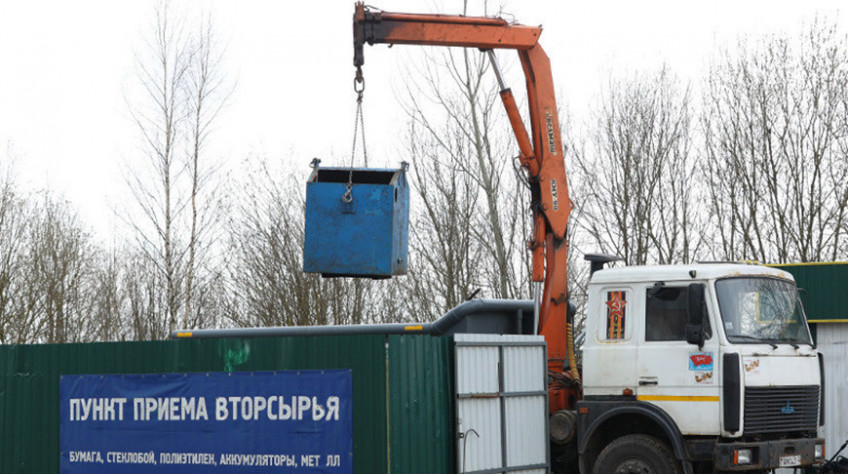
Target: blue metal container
x=365 y=237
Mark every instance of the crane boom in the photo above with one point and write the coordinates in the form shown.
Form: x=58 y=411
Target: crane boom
x=541 y=152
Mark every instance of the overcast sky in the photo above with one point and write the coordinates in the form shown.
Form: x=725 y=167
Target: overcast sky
x=66 y=69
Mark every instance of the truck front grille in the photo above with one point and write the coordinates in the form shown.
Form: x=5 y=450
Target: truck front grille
x=781 y=409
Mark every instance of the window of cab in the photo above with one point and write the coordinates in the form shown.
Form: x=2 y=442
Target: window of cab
x=666 y=314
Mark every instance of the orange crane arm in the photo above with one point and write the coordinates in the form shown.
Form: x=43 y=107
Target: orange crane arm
x=540 y=151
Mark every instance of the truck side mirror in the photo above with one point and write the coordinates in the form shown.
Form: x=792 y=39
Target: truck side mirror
x=695 y=326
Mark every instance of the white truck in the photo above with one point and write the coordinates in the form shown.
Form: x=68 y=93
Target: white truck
x=689 y=368
x=695 y=368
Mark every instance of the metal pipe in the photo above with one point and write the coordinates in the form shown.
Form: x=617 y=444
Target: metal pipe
x=412 y=328
x=537 y=301
x=460 y=312
x=438 y=327
x=425 y=18
x=497 y=68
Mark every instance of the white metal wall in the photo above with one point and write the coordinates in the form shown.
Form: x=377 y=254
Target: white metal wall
x=502 y=415
x=832 y=341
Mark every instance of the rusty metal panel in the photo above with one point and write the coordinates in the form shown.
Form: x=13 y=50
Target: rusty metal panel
x=29 y=384
x=420 y=397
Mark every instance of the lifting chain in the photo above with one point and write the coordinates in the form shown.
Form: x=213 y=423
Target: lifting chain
x=358 y=127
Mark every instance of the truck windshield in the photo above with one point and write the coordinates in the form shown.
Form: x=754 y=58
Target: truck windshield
x=761 y=309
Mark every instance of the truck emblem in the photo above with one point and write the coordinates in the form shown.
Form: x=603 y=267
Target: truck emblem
x=616 y=303
x=701 y=359
x=788 y=409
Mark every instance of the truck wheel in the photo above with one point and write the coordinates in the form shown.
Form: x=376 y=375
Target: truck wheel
x=636 y=454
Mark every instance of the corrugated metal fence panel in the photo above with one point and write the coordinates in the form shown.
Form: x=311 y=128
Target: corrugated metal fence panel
x=29 y=384
x=477 y=369
x=526 y=435
x=824 y=283
x=833 y=343
x=420 y=388
x=477 y=376
x=479 y=419
x=516 y=361
x=501 y=392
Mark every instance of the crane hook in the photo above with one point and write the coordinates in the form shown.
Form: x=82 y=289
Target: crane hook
x=359 y=82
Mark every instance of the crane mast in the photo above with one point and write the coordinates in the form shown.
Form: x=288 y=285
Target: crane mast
x=540 y=153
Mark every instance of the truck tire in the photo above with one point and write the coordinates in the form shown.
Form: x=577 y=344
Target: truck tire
x=636 y=454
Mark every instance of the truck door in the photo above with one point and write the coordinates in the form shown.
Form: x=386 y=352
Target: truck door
x=677 y=377
x=611 y=347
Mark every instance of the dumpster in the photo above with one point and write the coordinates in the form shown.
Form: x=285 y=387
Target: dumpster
x=360 y=233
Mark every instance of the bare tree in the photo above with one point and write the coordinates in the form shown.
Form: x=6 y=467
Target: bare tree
x=635 y=180
x=470 y=232
x=267 y=284
x=45 y=259
x=445 y=256
x=162 y=72
x=183 y=93
x=61 y=256
x=14 y=216
x=105 y=319
x=579 y=242
x=206 y=93
x=145 y=299
x=776 y=134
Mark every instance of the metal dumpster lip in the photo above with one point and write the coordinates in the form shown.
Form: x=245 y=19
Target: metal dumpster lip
x=396 y=173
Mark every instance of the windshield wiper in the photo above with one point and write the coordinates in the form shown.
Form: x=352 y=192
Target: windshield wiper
x=755 y=339
x=793 y=340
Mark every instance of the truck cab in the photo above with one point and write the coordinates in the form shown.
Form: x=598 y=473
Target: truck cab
x=711 y=366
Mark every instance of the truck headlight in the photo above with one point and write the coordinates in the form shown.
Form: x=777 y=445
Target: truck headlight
x=743 y=456
x=820 y=451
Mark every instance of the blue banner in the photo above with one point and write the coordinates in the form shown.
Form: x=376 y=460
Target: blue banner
x=240 y=422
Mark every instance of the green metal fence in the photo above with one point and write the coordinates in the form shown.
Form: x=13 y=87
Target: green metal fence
x=402 y=404
x=824 y=284
x=421 y=433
